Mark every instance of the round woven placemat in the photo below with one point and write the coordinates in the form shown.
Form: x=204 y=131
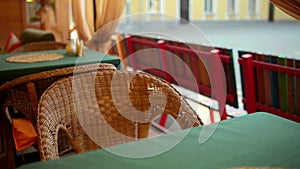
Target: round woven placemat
x=38 y=57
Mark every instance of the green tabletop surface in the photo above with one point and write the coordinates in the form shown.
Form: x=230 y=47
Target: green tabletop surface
x=259 y=139
x=10 y=70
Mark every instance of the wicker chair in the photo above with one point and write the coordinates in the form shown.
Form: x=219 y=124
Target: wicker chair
x=23 y=95
x=38 y=46
x=105 y=108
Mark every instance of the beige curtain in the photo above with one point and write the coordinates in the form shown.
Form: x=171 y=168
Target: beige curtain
x=291 y=7
x=79 y=16
x=107 y=14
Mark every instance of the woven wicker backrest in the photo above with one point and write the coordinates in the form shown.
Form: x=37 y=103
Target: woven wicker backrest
x=106 y=108
x=23 y=93
x=38 y=46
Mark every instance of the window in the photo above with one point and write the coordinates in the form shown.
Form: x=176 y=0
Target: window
x=231 y=6
x=252 y=7
x=208 y=6
x=127 y=8
x=154 y=6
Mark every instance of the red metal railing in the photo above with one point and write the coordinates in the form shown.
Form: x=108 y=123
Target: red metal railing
x=212 y=57
x=252 y=105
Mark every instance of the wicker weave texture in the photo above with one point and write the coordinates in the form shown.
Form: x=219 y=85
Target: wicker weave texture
x=106 y=108
x=23 y=94
x=39 y=46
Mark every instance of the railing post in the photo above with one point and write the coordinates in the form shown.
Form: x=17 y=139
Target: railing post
x=218 y=82
x=131 y=52
x=162 y=51
x=249 y=86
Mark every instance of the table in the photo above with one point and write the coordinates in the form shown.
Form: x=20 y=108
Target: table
x=9 y=70
x=258 y=139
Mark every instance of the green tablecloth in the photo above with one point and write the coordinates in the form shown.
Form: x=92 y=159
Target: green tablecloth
x=9 y=71
x=259 y=139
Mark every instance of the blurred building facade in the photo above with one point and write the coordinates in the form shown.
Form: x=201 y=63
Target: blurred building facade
x=203 y=10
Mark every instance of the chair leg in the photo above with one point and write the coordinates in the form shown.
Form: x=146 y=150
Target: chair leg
x=163 y=120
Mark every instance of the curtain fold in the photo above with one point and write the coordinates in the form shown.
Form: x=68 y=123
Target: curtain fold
x=97 y=33
x=291 y=7
x=90 y=15
x=107 y=14
x=80 y=20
